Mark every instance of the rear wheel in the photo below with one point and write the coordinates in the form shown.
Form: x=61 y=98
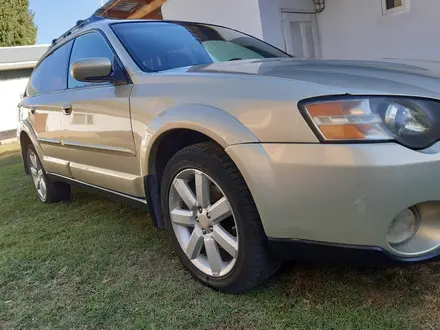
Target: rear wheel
x=47 y=191
x=213 y=221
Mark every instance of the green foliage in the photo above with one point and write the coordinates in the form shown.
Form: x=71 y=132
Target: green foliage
x=17 y=26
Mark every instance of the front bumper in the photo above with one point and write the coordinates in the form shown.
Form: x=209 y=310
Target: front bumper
x=344 y=194
x=287 y=249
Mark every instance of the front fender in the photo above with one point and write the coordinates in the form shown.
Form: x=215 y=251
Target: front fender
x=215 y=123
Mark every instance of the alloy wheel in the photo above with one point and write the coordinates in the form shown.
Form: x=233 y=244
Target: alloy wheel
x=203 y=222
x=37 y=175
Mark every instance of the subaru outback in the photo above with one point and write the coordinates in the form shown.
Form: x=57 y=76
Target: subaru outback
x=246 y=155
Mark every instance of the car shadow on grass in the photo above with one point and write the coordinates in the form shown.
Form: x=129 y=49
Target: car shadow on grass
x=322 y=285
x=415 y=289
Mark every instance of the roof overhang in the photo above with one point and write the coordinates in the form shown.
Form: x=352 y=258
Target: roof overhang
x=17 y=66
x=132 y=9
x=21 y=57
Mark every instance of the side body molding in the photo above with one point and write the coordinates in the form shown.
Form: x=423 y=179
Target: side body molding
x=215 y=123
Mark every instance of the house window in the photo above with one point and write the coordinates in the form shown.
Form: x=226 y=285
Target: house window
x=392 y=6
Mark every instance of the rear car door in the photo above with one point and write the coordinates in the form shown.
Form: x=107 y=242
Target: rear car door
x=97 y=132
x=42 y=106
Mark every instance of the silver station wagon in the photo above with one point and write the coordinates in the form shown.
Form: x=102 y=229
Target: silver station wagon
x=246 y=155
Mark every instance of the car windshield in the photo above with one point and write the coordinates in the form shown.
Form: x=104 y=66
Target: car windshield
x=159 y=46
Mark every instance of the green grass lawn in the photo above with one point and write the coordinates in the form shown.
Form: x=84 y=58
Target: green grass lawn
x=95 y=264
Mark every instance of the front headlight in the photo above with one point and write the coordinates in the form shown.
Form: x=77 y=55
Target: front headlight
x=413 y=122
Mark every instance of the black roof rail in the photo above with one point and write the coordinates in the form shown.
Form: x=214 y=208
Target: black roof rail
x=80 y=24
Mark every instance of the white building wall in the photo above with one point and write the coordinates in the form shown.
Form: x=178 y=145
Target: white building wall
x=272 y=21
x=356 y=29
x=243 y=15
x=12 y=85
x=260 y=18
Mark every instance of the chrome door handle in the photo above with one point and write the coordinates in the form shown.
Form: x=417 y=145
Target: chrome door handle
x=67 y=109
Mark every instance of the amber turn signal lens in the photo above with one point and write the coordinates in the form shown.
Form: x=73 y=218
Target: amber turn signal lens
x=342 y=132
x=346 y=120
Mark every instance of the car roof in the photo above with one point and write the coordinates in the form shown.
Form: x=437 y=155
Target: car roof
x=94 y=22
x=82 y=26
x=97 y=22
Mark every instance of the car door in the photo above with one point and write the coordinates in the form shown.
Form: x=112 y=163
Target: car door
x=97 y=132
x=45 y=96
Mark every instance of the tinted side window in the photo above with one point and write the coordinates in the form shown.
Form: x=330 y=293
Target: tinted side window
x=51 y=74
x=89 y=45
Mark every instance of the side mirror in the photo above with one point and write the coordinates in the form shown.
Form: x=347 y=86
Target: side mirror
x=99 y=69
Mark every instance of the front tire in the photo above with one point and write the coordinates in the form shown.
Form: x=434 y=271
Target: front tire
x=47 y=190
x=212 y=220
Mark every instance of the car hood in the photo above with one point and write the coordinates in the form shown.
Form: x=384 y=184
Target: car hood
x=397 y=77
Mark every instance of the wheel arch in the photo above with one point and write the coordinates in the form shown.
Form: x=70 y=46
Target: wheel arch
x=26 y=139
x=176 y=129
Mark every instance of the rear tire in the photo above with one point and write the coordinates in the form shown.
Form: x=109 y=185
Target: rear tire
x=47 y=191
x=253 y=262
